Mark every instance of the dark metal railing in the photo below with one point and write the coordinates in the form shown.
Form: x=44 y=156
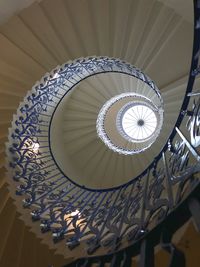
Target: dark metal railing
x=121 y=222
x=178 y=166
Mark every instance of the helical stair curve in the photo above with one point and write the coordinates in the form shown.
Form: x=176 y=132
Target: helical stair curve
x=137 y=212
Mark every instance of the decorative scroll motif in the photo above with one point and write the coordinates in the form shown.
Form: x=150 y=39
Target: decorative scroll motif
x=155 y=200
x=193 y=124
x=76 y=214
x=178 y=161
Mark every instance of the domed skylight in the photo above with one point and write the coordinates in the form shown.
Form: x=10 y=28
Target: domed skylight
x=139 y=122
x=129 y=123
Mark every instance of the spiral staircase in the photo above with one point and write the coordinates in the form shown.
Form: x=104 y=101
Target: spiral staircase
x=159 y=185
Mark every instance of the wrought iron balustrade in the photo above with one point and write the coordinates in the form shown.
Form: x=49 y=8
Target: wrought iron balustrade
x=121 y=222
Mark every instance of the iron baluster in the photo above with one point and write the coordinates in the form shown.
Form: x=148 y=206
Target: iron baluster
x=188 y=144
x=168 y=181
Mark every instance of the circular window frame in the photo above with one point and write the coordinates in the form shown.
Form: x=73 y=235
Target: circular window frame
x=124 y=109
x=101 y=132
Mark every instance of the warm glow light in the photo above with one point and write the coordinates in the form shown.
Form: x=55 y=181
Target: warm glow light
x=74 y=213
x=35 y=147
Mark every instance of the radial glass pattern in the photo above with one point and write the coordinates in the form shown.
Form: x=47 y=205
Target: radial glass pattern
x=130 y=123
x=139 y=122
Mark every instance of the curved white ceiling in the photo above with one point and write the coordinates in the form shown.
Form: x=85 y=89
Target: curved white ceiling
x=182 y=7
x=146 y=33
x=10 y=7
x=78 y=150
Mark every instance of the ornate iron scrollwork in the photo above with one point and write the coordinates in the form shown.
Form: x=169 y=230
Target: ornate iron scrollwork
x=98 y=218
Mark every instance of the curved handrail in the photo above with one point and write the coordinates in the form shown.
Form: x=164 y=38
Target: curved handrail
x=181 y=206
x=108 y=218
